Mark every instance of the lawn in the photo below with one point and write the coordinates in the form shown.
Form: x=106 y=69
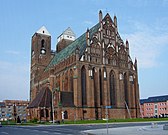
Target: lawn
x=87 y=121
x=115 y=120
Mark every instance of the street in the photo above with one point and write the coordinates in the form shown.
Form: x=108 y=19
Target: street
x=61 y=129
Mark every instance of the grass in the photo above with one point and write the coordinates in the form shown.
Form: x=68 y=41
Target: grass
x=32 y=123
x=14 y=123
x=115 y=120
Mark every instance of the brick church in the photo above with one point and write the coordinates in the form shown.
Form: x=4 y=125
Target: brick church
x=88 y=77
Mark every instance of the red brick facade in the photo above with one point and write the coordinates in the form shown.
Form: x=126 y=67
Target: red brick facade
x=156 y=106
x=87 y=75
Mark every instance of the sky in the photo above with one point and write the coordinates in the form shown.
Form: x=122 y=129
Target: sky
x=144 y=23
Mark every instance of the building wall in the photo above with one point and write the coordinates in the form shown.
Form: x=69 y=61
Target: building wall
x=103 y=76
x=155 y=109
x=13 y=109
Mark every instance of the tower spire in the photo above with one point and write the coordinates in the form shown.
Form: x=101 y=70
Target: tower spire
x=115 y=21
x=100 y=16
x=127 y=46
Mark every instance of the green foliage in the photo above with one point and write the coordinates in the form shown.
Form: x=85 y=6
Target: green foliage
x=115 y=120
x=34 y=120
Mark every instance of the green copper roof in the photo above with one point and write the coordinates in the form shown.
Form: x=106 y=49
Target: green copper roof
x=78 y=43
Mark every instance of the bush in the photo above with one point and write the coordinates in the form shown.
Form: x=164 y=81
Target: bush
x=34 y=120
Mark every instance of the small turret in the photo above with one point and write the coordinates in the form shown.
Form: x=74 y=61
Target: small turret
x=135 y=64
x=100 y=16
x=127 y=46
x=87 y=37
x=115 y=21
x=77 y=51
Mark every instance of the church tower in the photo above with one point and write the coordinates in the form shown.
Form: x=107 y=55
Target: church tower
x=40 y=58
x=67 y=37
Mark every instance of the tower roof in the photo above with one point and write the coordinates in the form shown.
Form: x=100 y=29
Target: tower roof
x=79 y=43
x=69 y=32
x=43 y=31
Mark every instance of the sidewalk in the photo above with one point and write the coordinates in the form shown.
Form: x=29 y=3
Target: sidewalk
x=137 y=130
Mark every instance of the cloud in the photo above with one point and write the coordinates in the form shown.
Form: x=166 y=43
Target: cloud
x=12 y=52
x=88 y=22
x=146 y=44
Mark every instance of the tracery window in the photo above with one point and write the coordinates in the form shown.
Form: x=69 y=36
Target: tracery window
x=83 y=85
x=71 y=80
x=112 y=89
x=126 y=89
x=100 y=85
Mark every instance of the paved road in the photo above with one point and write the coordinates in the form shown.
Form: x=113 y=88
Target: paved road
x=61 y=129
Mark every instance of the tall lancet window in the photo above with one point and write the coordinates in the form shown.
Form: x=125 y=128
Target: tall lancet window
x=71 y=80
x=104 y=73
x=126 y=89
x=100 y=85
x=112 y=89
x=95 y=80
x=83 y=85
x=42 y=43
x=43 y=50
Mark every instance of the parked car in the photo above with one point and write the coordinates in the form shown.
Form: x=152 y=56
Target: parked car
x=3 y=119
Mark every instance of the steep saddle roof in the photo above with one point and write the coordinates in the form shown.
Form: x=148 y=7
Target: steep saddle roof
x=69 y=32
x=154 y=99
x=79 y=43
x=43 y=31
x=43 y=99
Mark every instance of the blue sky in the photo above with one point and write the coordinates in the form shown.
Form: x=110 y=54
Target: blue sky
x=143 y=22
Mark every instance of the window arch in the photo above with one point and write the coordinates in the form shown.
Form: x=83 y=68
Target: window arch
x=100 y=85
x=95 y=80
x=65 y=115
x=42 y=112
x=71 y=80
x=66 y=82
x=112 y=89
x=126 y=89
x=83 y=85
x=47 y=112
x=42 y=43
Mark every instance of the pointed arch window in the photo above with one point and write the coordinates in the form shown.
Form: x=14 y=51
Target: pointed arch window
x=42 y=43
x=71 y=80
x=83 y=86
x=126 y=89
x=112 y=89
x=65 y=115
x=43 y=50
x=100 y=85
x=105 y=73
x=95 y=80
x=42 y=113
x=66 y=82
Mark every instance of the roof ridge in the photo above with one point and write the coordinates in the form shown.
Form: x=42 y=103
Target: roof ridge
x=41 y=97
x=46 y=97
x=79 y=42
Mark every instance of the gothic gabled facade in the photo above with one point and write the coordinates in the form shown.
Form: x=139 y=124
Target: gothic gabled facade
x=87 y=76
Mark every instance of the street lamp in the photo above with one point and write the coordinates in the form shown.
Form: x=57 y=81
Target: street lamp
x=14 y=111
x=53 y=91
